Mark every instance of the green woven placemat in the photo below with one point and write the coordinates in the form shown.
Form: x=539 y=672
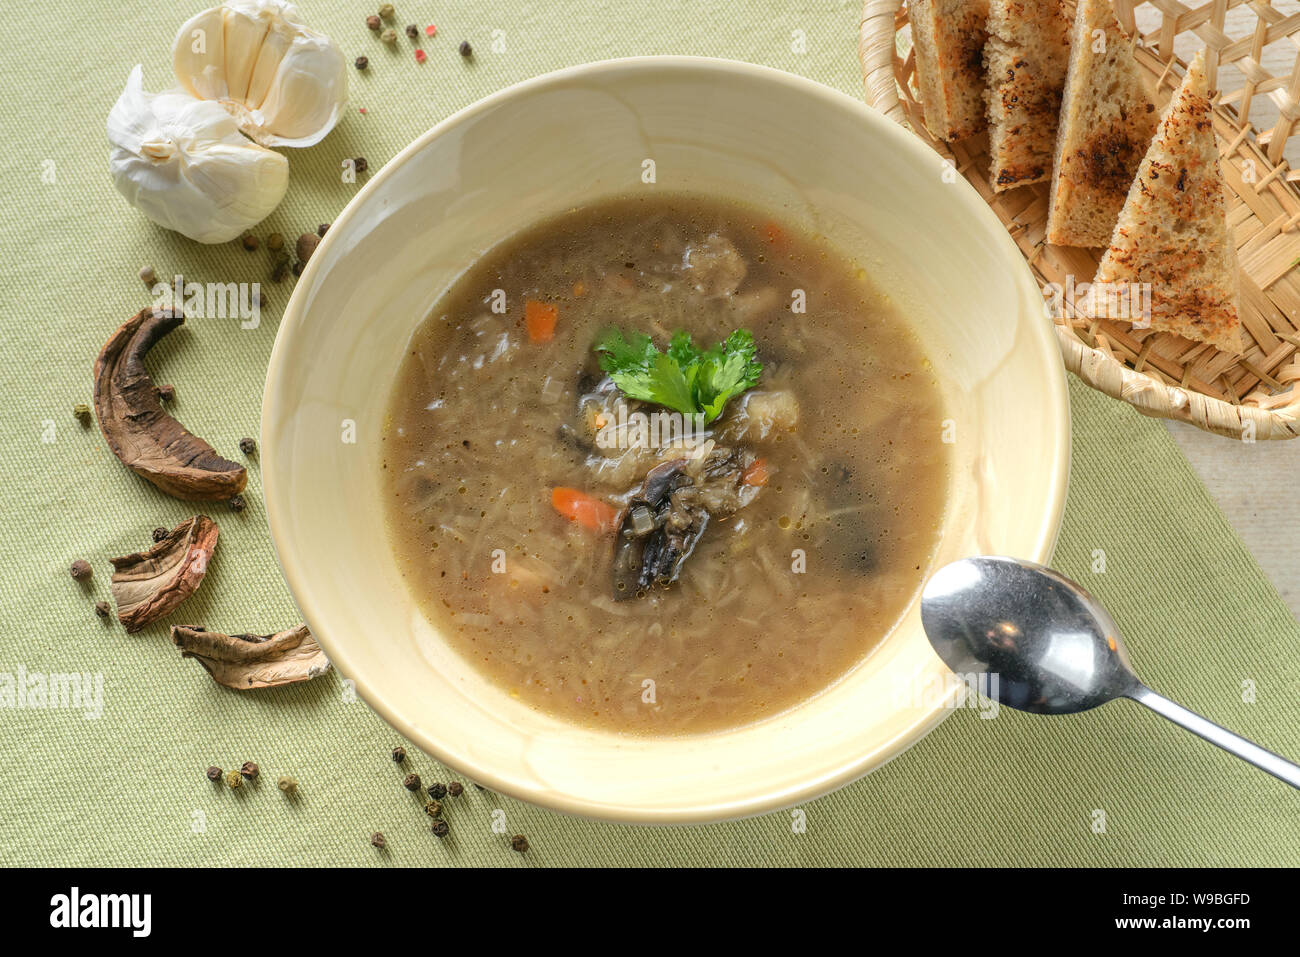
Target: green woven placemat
x=1116 y=786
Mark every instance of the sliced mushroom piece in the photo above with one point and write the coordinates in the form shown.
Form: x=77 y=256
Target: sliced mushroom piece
x=657 y=533
x=140 y=433
x=148 y=585
x=244 y=662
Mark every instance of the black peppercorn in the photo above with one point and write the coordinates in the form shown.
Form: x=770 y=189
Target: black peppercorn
x=465 y=49
x=166 y=392
x=412 y=31
x=437 y=791
x=433 y=809
x=81 y=570
x=247 y=446
x=377 y=840
x=361 y=62
x=411 y=782
x=360 y=164
x=280 y=270
x=322 y=229
x=214 y=774
x=249 y=770
x=372 y=22
x=399 y=754
x=455 y=789
x=101 y=609
x=159 y=533
x=297 y=269
x=441 y=828
x=519 y=843
x=236 y=503
x=250 y=242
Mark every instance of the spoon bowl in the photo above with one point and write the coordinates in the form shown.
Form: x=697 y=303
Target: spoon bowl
x=1038 y=642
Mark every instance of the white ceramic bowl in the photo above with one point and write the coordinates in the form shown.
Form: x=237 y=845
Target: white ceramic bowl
x=810 y=155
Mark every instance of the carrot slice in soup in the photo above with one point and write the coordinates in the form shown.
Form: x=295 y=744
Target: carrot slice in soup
x=539 y=318
x=756 y=474
x=582 y=508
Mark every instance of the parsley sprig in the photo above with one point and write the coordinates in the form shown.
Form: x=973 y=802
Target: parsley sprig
x=686 y=378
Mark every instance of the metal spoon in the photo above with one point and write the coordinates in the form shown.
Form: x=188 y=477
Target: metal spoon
x=1050 y=648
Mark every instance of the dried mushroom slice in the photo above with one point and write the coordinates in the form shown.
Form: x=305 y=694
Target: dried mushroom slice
x=148 y=585
x=253 y=661
x=140 y=433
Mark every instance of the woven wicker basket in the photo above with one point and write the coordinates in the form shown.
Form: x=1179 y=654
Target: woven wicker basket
x=1252 y=396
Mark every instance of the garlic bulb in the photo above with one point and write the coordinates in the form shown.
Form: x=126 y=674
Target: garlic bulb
x=185 y=165
x=285 y=84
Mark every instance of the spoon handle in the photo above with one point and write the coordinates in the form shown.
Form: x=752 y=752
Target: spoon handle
x=1263 y=759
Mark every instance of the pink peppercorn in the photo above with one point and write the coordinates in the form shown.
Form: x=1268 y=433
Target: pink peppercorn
x=420 y=56
x=431 y=30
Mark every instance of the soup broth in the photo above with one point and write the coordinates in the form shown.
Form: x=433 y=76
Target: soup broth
x=663 y=580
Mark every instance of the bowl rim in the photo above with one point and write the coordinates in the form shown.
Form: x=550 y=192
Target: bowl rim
x=851 y=767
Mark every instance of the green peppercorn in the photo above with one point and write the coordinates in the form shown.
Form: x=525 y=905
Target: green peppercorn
x=81 y=570
x=433 y=809
x=437 y=791
x=287 y=784
x=147 y=275
x=377 y=840
x=234 y=780
x=519 y=843
x=441 y=828
x=82 y=413
x=214 y=774
x=399 y=754
x=455 y=789
x=389 y=36
x=275 y=242
x=412 y=782
x=386 y=11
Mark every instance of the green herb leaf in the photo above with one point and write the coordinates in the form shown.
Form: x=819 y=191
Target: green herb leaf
x=684 y=379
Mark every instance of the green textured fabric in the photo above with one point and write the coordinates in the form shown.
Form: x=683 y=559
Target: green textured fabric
x=128 y=788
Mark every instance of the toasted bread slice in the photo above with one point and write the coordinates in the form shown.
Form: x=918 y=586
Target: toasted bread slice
x=1173 y=229
x=1107 y=121
x=948 y=36
x=1026 y=57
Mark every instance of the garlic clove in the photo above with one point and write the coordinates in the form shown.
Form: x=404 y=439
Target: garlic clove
x=199 y=53
x=245 y=31
x=308 y=95
x=285 y=84
x=184 y=163
x=274 y=46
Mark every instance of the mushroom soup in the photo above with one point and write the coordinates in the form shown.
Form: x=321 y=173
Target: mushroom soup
x=664 y=465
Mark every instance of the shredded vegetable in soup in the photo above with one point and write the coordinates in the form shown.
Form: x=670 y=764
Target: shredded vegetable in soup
x=663 y=465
